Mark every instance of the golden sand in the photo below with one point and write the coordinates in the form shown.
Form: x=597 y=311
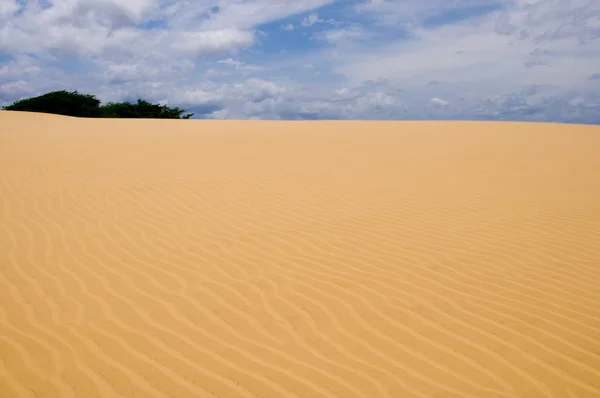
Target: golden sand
x=154 y=258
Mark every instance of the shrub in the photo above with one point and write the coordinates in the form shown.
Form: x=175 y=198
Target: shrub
x=60 y=103
x=85 y=105
x=142 y=109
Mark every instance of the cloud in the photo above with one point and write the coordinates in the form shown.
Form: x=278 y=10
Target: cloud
x=438 y=101
x=341 y=35
x=15 y=88
x=23 y=66
x=239 y=65
x=471 y=55
x=311 y=20
x=369 y=59
x=247 y=14
x=213 y=41
x=8 y=8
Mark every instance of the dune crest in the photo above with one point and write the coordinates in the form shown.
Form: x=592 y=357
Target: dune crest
x=192 y=258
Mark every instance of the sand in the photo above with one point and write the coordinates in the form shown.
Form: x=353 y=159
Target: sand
x=148 y=258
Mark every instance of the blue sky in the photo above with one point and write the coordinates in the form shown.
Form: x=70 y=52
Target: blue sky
x=531 y=60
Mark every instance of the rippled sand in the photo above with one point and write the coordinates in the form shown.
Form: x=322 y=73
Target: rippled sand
x=148 y=258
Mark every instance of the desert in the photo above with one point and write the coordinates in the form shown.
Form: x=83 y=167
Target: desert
x=224 y=258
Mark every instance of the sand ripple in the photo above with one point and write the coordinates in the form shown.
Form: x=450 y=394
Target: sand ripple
x=321 y=259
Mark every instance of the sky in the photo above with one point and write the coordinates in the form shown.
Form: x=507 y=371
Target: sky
x=522 y=60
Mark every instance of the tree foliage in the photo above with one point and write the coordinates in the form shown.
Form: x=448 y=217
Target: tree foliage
x=60 y=103
x=142 y=109
x=72 y=103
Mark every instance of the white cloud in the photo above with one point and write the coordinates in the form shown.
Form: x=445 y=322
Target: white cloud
x=120 y=72
x=239 y=65
x=343 y=35
x=258 y=89
x=410 y=13
x=247 y=14
x=15 y=88
x=473 y=52
x=7 y=8
x=311 y=20
x=438 y=101
x=288 y=27
x=91 y=28
x=230 y=62
x=220 y=114
x=213 y=41
x=23 y=66
x=197 y=96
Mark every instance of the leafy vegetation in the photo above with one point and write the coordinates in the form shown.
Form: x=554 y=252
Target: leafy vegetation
x=60 y=103
x=142 y=109
x=73 y=103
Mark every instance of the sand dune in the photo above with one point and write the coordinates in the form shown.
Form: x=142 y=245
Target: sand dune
x=149 y=258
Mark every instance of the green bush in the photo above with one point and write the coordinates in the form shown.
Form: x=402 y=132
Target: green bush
x=142 y=109
x=60 y=103
x=86 y=105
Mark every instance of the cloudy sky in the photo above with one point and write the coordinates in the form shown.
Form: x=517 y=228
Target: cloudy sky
x=534 y=60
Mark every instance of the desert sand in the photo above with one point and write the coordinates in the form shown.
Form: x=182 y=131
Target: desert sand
x=189 y=258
